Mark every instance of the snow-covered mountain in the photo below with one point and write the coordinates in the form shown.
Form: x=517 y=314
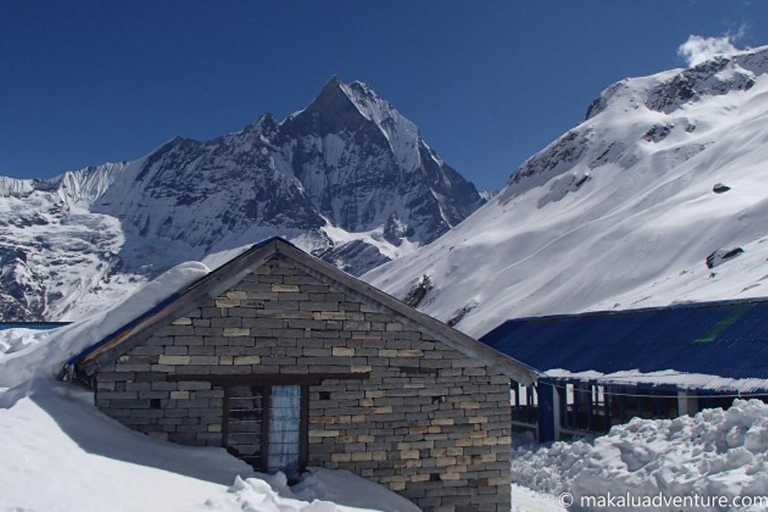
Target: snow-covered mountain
x=348 y=178
x=659 y=196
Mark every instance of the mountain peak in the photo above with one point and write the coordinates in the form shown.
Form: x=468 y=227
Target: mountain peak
x=357 y=92
x=332 y=111
x=357 y=96
x=356 y=106
x=347 y=178
x=333 y=82
x=265 y=124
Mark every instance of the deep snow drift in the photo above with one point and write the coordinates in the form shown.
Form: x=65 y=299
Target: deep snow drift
x=715 y=453
x=621 y=211
x=59 y=453
x=26 y=354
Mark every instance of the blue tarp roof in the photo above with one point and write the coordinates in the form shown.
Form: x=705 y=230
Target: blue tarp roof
x=729 y=339
x=31 y=325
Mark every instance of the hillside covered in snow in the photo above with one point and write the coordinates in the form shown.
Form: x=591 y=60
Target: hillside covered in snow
x=659 y=196
x=348 y=178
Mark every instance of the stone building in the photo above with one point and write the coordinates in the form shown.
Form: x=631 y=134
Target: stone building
x=289 y=362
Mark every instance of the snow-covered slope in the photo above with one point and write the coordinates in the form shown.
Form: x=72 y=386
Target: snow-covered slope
x=622 y=211
x=348 y=178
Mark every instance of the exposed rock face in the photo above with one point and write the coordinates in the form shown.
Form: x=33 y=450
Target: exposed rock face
x=17 y=282
x=348 y=178
x=711 y=78
x=720 y=256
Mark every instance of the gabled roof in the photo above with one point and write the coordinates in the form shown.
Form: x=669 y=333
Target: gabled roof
x=232 y=272
x=727 y=339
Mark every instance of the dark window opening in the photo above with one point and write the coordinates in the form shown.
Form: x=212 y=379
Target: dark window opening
x=325 y=395
x=155 y=403
x=592 y=407
x=244 y=411
x=266 y=426
x=525 y=406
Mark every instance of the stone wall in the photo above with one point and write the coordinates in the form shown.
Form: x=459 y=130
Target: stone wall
x=426 y=421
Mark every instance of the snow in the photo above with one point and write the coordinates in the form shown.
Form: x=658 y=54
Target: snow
x=619 y=212
x=401 y=133
x=15 y=187
x=27 y=354
x=715 y=453
x=374 y=237
x=527 y=500
x=321 y=490
x=681 y=380
x=59 y=453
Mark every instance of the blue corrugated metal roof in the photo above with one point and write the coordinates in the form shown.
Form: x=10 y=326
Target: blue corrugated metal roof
x=729 y=339
x=31 y=325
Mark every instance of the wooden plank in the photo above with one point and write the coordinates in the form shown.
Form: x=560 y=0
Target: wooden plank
x=225 y=419
x=304 y=435
x=266 y=379
x=267 y=401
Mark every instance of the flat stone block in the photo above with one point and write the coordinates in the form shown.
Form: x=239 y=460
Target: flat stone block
x=233 y=332
x=240 y=360
x=173 y=360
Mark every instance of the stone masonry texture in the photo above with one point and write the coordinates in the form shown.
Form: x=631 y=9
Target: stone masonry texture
x=428 y=422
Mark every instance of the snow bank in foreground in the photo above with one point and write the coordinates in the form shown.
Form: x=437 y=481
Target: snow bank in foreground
x=59 y=453
x=527 y=500
x=342 y=487
x=321 y=490
x=715 y=453
x=24 y=353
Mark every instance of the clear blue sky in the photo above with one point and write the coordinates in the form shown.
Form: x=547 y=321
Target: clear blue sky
x=488 y=82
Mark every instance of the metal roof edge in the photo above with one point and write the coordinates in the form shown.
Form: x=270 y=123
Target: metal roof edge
x=628 y=312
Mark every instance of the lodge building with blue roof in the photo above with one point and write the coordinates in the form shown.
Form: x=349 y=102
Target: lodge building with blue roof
x=599 y=369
